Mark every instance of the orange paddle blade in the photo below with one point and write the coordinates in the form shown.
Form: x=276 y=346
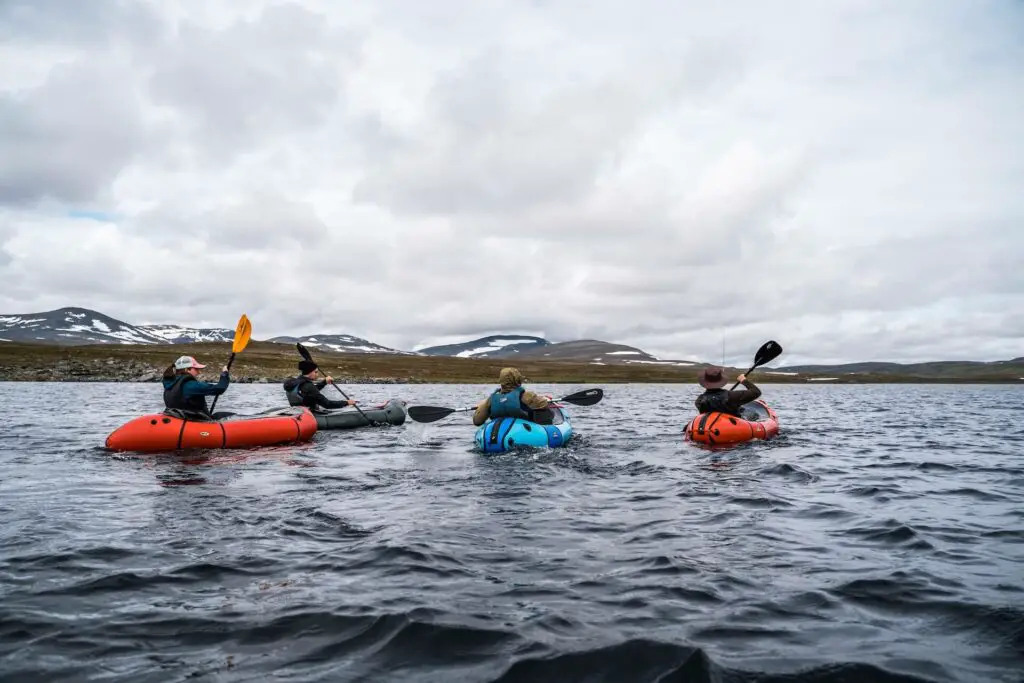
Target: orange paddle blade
x=242 y=334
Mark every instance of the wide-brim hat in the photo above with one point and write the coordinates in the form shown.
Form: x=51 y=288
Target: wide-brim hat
x=712 y=378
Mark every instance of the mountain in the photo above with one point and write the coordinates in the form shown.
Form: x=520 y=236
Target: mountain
x=599 y=353
x=495 y=346
x=343 y=343
x=79 y=326
x=176 y=334
x=73 y=326
x=522 y=347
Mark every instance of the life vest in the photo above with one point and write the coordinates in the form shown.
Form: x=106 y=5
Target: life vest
x=293 y=390
x=715 y=401
x=508 y=405
x=175 y=399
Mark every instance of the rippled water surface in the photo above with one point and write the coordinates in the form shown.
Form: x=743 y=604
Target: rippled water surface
x=879 y=538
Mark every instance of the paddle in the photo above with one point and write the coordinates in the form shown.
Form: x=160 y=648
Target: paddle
x=768 y=352
x=242 y=333
x=305 y=354
x=587 y=397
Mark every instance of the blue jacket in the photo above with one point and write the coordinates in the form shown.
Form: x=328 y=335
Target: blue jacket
x=185 y=392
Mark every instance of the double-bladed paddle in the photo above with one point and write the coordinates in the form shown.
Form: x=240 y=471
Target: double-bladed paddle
x=242 y=333
x=305 y=354
x=587 y=397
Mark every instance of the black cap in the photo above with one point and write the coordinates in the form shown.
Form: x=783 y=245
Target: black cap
x=307 y=366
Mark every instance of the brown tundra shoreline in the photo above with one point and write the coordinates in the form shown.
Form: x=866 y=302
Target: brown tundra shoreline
x=272 y=362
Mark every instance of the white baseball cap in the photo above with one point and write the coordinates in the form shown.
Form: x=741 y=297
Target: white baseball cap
x=187 y=362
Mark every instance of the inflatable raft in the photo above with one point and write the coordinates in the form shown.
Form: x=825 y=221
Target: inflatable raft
x=720 y=429
x=507 y=433
x=174 y=429
x=390 y=413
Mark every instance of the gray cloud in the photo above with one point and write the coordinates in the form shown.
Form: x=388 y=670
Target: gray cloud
x=277 y=74
x=844 y=179
x=74 y=23
x=508 y=131
x=69 y=138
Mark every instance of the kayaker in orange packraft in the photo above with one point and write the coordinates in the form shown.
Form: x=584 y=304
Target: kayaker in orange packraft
x=716 y=399
x=184 y=391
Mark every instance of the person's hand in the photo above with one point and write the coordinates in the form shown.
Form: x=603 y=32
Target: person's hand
x=329 y=379
x=741 y=379
x=352 y=402
x=224 y=369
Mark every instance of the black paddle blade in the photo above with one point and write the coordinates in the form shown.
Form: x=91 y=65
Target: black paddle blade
x=303 y=352
x=587 y=397
x=429 y=413
x=767 y=353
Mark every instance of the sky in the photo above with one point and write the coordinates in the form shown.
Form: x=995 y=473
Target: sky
x=842 y=177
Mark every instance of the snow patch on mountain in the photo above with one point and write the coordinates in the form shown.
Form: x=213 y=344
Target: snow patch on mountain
x=491 y=345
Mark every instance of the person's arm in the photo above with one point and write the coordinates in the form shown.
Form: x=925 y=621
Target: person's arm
x=198 y=388
x=741 y=397
x=535 y=401
x=483 y=409
x=311 y=392
x=330 y=403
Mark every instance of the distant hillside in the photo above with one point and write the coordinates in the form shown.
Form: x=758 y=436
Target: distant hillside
x=342 y=343
x=81 y=326
x=73 y=326
x=932 y=370
x=495 y=346
x=597 y=352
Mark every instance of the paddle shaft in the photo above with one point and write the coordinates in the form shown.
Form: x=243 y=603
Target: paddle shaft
x=368 y=420
x=231 y=359
x=752 y=368
x=433 y=413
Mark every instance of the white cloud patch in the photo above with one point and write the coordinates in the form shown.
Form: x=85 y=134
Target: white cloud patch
x=844 y=178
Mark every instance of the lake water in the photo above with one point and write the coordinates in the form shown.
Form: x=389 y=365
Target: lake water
x=879 y=538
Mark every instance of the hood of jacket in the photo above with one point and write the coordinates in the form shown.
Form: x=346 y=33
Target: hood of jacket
x=509 y=379
x=293 y=382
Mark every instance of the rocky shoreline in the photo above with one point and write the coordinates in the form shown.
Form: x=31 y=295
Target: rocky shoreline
x=110 y=370
x=270 y=363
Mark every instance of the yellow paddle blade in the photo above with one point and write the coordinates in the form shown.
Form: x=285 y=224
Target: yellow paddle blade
x=242 y=334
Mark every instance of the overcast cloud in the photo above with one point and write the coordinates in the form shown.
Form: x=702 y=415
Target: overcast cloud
x=844 y=177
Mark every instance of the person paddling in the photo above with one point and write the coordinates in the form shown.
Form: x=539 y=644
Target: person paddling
x=184 y=391
x=716 y=399
x=303 y=391
x=512 y=400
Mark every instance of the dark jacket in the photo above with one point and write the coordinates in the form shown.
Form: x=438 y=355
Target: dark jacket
x=725 y=401
x=302 y=391
x=185 y=392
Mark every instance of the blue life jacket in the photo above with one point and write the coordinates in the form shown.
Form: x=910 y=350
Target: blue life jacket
x=508 y=405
